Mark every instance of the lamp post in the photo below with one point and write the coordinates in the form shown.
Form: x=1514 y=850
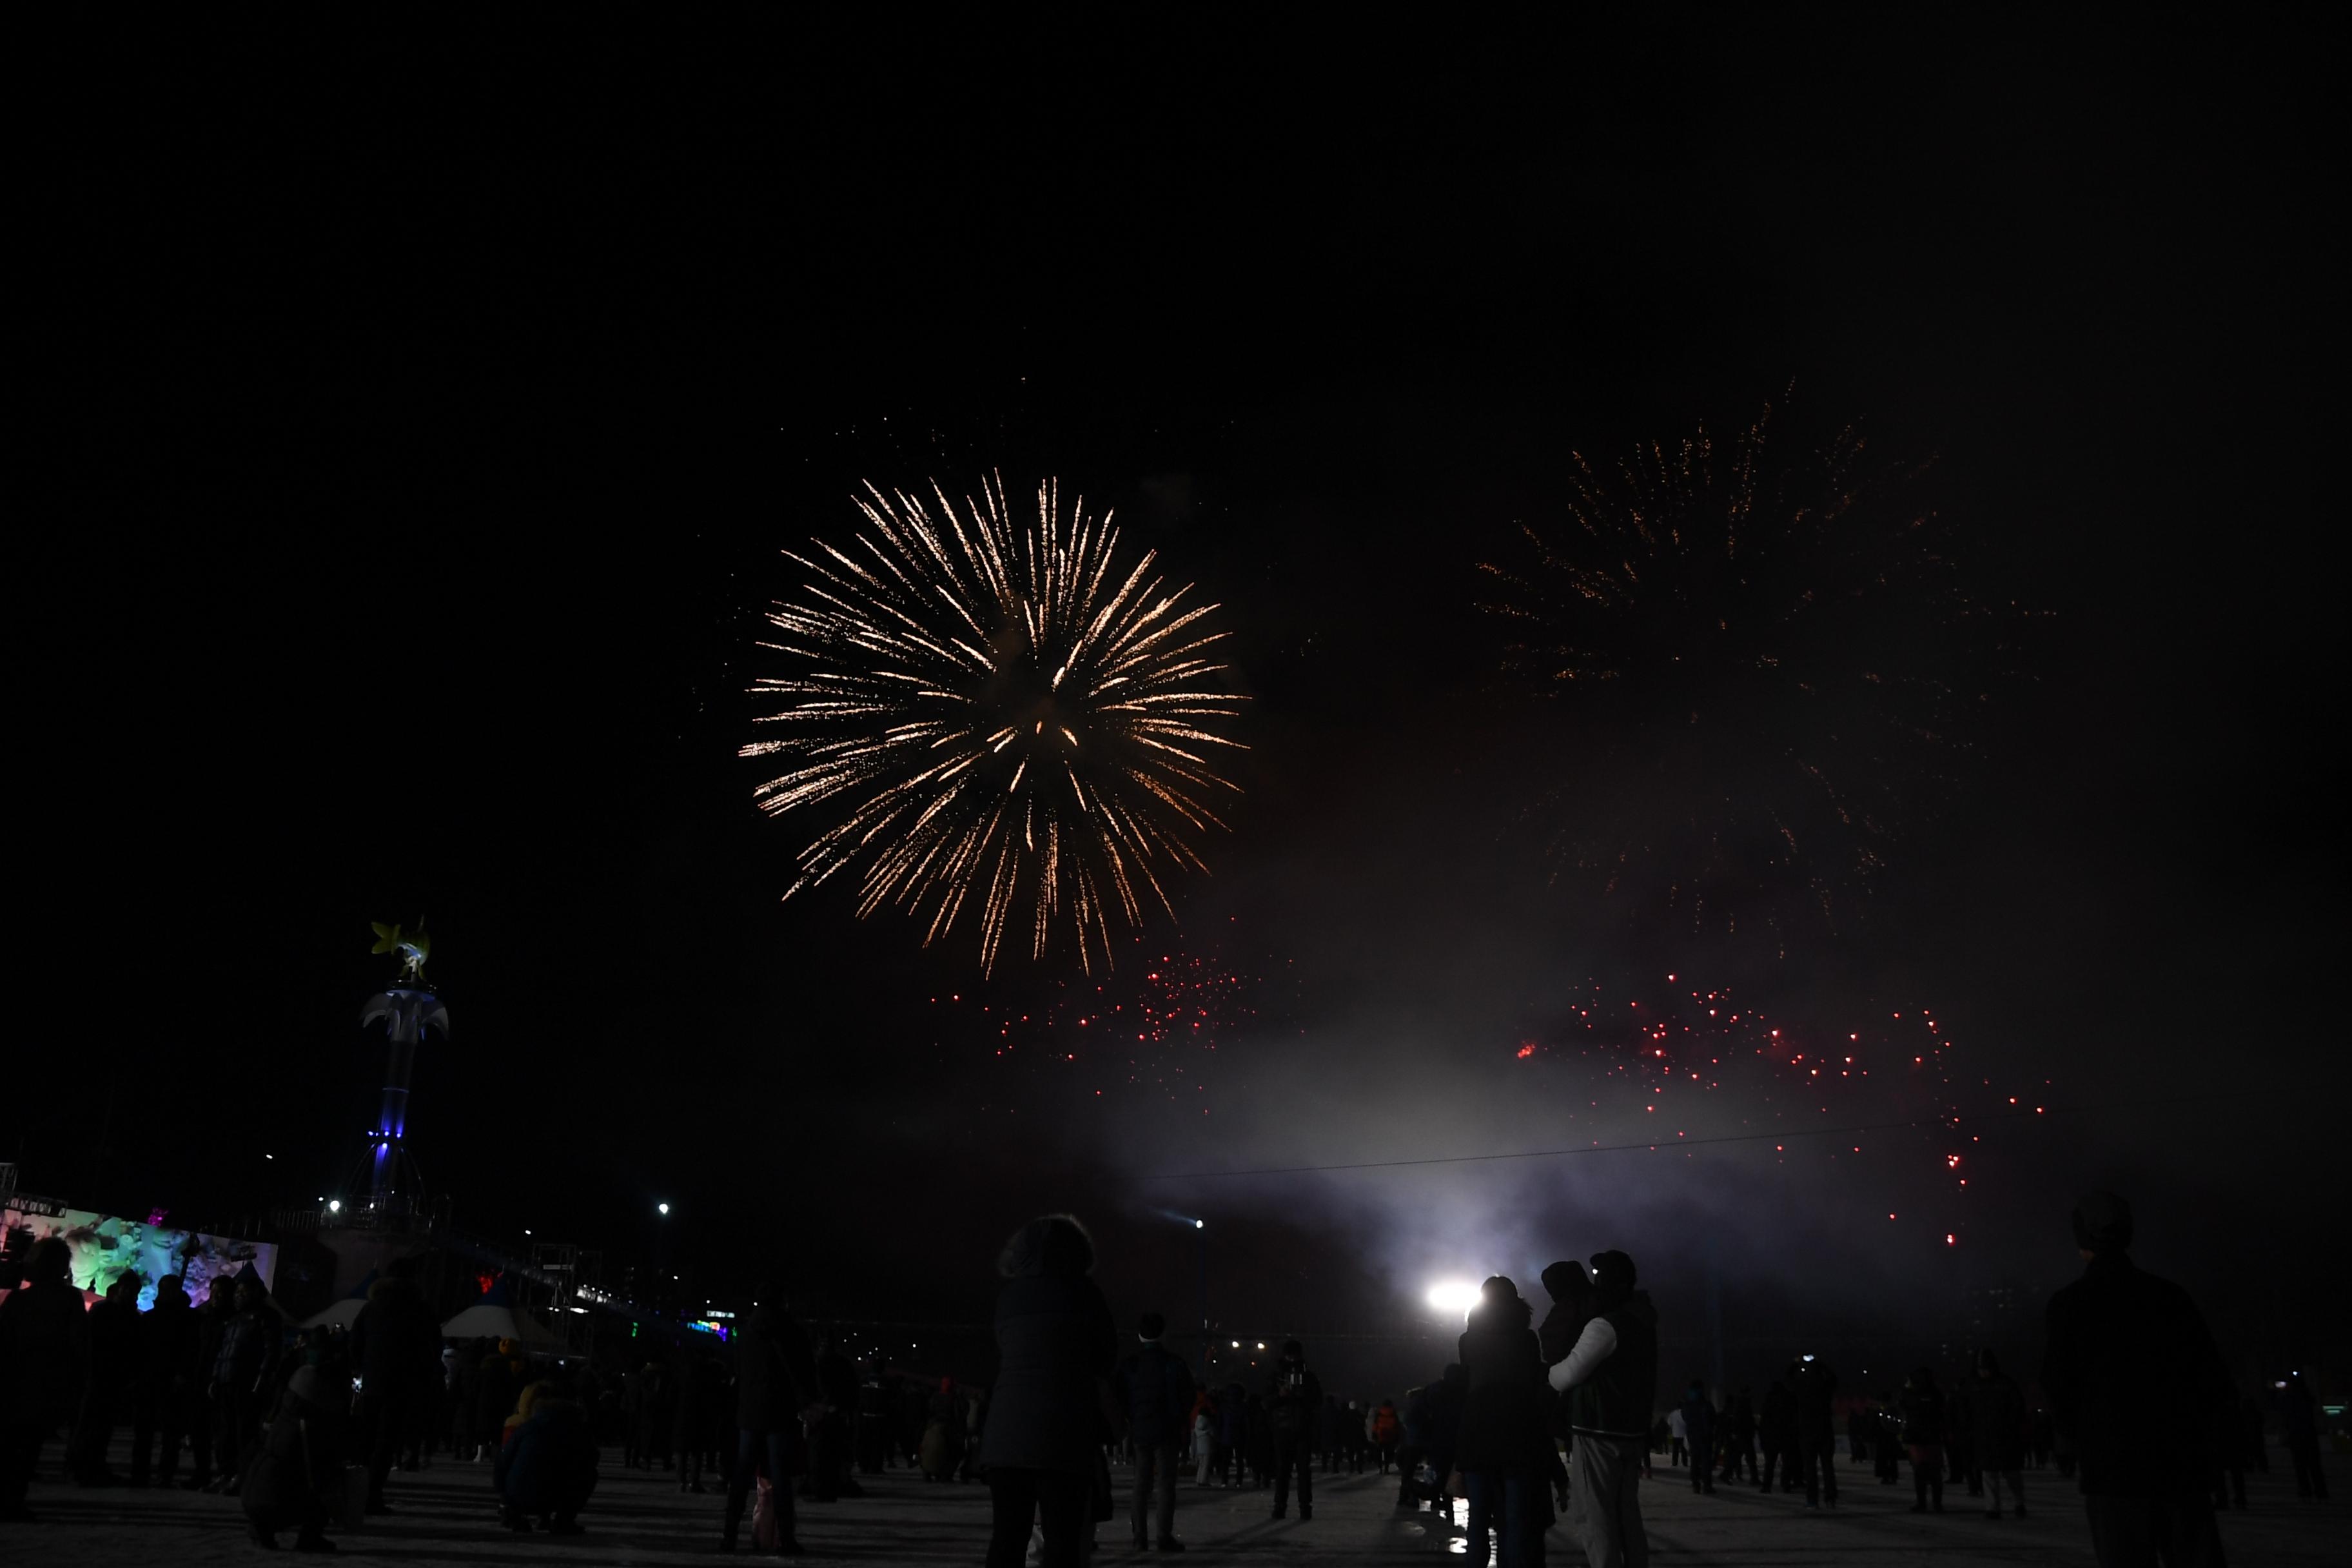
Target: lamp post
x=661 y=1237
x=1201 y=1234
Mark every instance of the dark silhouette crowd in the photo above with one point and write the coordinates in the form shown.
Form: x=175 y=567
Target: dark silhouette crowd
x=1533 y=1423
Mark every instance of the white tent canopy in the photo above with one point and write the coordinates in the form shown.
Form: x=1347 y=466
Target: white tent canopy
x=482 y=1320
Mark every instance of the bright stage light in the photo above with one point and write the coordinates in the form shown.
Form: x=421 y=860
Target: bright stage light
x=1455 y=1297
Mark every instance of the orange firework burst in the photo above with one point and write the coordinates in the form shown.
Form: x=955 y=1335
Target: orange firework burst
x=1019 y=727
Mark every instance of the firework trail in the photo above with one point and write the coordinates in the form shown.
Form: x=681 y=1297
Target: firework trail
x=1765 y=668
x=1023 y=732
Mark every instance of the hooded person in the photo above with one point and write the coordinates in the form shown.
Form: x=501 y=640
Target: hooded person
x=1503 y=1446
x=1056 y=1350
x=1294 y=1396
x=2137 y=1387
x=1611 y=1377
x=1570 y=1290
x=1159 y=1392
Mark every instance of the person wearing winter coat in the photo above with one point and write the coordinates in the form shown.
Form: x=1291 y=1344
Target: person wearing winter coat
x=1959 y=1439
x=690 y=1415
x=295 y=1465
x=1776 y=1430
x=715 y=1392
x=656 y=1415
x=1923 y=1433
x=1444 y=1422
x=1159 y=1392
x=396 y=1348
x=1504 y=1446
x=1293 y=1397
x=1056 y=1350
x=1738 y=1442
x=775 y=1380
x=633 y=1418
x=1204 y=1437
x=2137 y=1387
x=942 y=1445
x=160 y=1402
x=1812 y=1388
x=243 y=1373
x=111 y=1368
x=1698 y=1430
x=547 y=1468
x=1611 y=1380
x=495 y=1394
x=829 y=1432
x=2299 y=1425
x=872 y=1442
x=1233 y=1434
x=1387 y=1433
x=212 y=1322
x=1886 y=1439
x=43 y=1342
x=1997 y=1412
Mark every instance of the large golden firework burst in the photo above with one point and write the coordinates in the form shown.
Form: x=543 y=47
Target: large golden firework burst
x=1018 y=729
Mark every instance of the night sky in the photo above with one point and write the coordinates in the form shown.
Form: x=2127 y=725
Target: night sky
x=433 y=412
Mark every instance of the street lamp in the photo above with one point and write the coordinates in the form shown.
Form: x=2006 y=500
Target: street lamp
x=661 y=1237
x=1201 y=1232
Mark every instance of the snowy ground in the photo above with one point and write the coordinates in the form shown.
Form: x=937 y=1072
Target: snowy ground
x=443 y=1517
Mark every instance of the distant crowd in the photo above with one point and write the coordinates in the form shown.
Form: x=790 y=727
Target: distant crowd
x=1531 y=1424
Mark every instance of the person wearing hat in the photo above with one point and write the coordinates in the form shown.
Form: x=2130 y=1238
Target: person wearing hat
x=2136 y=1386
x=1611 y=1380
